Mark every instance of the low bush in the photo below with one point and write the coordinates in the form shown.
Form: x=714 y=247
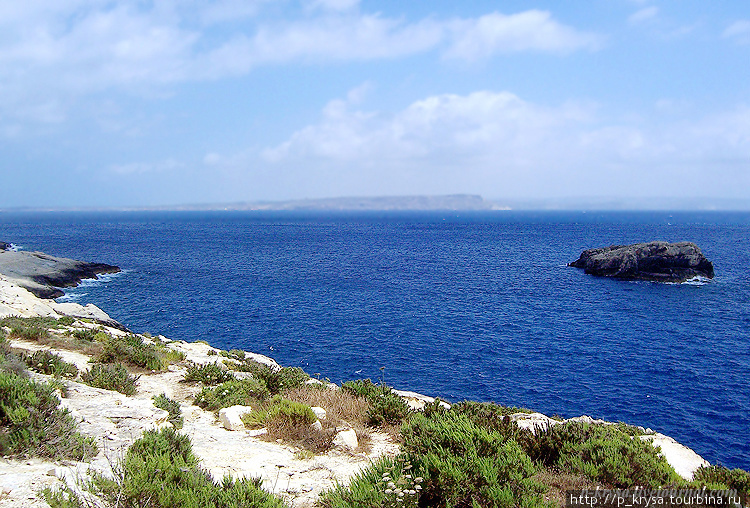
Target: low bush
x=291 y=422
x=339 y=404
x=385 y=406
x=31 y=322
x=31 y=333
x=368 y=488
x=277 y=380
x=244 y=392
x=209 y=374
x=170 y=406
x=50 y=363
x=160 y=471
x=234 y=354
x=63 y=497
x=293 y=413
x=33 y=424
x=463 y=463
x=361 y=388
x=84 y=334
x=10 y=362
x=132 y=350
x=719 y=477
x=111 y=377
x=603 y=453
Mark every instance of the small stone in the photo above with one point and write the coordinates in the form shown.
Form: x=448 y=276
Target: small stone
x=317 y=426
x=231 y=417
x=346 y=440
x=319 y=412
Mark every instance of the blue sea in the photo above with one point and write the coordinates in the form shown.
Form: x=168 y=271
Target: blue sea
x=459 y=305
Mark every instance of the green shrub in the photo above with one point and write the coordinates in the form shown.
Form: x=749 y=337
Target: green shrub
x=617 y=459
x=719 y=477
x=50 y=363
x=61 y=498
x=84 y=334
x=368 y=488
x=462 y=463
x=132 y=350
x=277 y=380
x=385 y=406
x=361 y=388
x=31 y=333
x=32 y=423
x=244 y=392
x=209 y=374
x=10 y=362
x=172 y=407
x=30 y=322
x=111 y=377
x=234 y=354
x=160 y=471
x=66 y=321
x=293 y=413
x=290 y=422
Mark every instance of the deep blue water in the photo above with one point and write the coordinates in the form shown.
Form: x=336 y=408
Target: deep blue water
x=462 y=305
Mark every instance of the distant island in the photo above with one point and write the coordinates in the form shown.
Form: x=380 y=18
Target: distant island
x=354 y=203
x=423 y=202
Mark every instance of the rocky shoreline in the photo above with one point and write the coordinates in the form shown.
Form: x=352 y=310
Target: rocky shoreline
x=44 y=275
x=115 y=421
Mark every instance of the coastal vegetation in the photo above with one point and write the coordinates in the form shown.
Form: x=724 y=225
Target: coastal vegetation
x=31 y=422
x=160 y=471
x=469 y=454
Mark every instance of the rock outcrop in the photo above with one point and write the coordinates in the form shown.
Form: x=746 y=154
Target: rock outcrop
x=653 y=261
x=17 y=301
x=44 y=275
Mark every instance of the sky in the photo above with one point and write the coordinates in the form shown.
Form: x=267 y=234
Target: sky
x=167 y=102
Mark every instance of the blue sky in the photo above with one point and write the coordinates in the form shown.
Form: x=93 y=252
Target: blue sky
x=138 y=103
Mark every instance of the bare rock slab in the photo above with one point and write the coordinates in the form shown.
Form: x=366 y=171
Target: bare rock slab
x=44 y=275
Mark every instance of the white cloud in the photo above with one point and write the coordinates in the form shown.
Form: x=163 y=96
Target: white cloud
x=497 y=143
x=526 y=31
x=643 y=15
x=333 y=5
x=136 y=168
x=476 y=125
x=57 y=53
x=739 y=31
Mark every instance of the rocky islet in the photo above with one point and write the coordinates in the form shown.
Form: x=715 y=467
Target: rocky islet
x=652 y=261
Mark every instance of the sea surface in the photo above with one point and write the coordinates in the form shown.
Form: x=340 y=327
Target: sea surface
x=474 y=306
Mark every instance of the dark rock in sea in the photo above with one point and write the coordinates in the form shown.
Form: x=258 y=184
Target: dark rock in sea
x=4 y=246
x=43 y=275
x=653 y=261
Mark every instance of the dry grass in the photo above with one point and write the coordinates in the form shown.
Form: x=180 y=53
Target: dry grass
x=57 y=339
x=560 y=482
x=342 y=409
x=301 y=435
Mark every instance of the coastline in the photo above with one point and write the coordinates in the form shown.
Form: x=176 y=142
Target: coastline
x=221 y=451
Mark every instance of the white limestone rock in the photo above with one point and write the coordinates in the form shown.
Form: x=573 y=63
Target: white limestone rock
x=346 y=440
x=231 y=417
x=684 y=460
x=417 y=401
x=320 y=413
